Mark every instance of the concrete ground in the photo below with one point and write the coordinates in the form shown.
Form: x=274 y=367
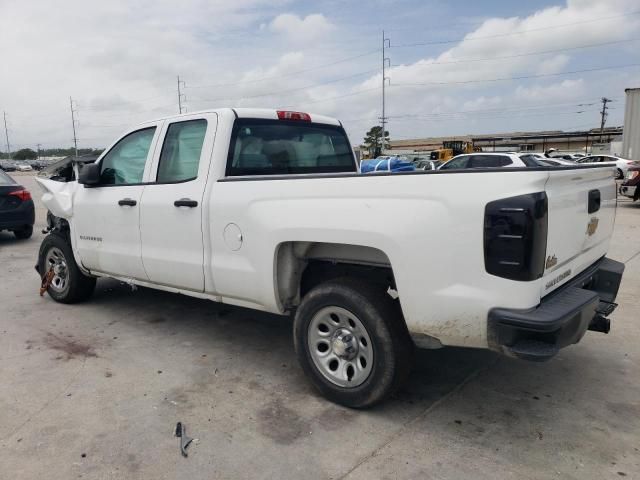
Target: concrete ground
x=95 y=390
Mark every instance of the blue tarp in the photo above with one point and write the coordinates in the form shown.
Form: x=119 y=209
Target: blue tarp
x=391 y=164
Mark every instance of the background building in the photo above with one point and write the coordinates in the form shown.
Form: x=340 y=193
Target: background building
x=582 y=141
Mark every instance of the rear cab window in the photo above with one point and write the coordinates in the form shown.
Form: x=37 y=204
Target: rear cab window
x=281 y=147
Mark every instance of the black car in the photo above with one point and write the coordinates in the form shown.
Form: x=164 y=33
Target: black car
x=17 y=212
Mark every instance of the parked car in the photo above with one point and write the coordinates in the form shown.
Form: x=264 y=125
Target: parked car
x=622 y=164
x=427 y=165
x=556 y=162
x=538 y=159
x=266 y=209
x=23 y=167
x=17 y=212
x=631 y=186
x=485 y=160
x=38 y=164
x=7 y=166
x=387 y=164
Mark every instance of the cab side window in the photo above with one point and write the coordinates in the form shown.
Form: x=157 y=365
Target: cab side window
x=124 y=163
x=180 y=156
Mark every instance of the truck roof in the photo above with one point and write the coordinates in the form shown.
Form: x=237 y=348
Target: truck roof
x=266 y=113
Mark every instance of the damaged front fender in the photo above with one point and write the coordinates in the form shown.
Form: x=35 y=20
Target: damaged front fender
x=58 y=196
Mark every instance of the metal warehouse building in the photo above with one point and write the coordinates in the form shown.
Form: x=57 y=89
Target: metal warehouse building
x=576 y=141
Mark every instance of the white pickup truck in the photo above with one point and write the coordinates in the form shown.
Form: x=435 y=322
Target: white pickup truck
x=266 y=209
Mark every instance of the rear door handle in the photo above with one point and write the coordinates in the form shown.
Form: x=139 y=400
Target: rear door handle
x=129 y=202
x=185 y=202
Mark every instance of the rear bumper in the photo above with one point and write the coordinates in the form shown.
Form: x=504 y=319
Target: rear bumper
x=561 y=318
x=20 y=217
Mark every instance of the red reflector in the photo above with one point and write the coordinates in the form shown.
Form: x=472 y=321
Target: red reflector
x=23 y=195
x=286 y=115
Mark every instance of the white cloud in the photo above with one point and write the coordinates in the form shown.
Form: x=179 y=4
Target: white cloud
x=565 y=90
x=301 y=29
x=555 y=64
x=119 y=60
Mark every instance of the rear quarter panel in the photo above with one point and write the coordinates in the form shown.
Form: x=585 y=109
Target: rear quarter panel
x=430 y=226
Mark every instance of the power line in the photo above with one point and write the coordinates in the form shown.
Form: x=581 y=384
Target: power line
x=500 y=35
x=289 y=74
x=522 y=77
x=289 y=90
x=327 y=99
x=499 y=109
x=490 y=115
x=528 y=54
x=124 y=103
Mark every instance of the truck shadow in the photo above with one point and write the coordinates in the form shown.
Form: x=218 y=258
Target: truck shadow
x=263 y=342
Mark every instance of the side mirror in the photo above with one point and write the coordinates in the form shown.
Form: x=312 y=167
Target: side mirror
x=90 y=174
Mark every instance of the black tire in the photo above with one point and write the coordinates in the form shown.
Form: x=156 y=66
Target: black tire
x=78 y=286
x=382 y=319
x=619 y=174
x=24 y=233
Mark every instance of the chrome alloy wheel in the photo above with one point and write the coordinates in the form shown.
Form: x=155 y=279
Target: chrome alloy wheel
x=55 y=259
x=340 y=347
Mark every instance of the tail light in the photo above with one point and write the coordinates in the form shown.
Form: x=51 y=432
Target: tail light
x=515 y=236
x=23 y=194
x=286 y=115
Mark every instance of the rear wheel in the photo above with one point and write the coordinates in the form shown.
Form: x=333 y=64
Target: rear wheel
x=69 y=284
x=352 y=342
x=24 y=233
x=619 y=174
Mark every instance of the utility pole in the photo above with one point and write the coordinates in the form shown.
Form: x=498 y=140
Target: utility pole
x=603 y=115
x=386 y=43
x=181 y=96
x=73 y=124
x=39 y=145
x=6 y=134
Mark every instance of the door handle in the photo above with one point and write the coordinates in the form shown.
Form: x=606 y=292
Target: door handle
x=594 y=201
x=185 y=202
x=129 y=202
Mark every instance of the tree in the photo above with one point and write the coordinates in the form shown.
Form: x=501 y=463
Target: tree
x=25 y=154
x=373 y=141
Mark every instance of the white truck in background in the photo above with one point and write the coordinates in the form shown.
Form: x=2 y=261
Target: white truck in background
x=266 y=209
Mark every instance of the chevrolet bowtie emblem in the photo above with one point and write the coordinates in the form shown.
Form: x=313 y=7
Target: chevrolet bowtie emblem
x=592 y=226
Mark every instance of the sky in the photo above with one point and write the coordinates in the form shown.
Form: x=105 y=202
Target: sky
x=456 y=67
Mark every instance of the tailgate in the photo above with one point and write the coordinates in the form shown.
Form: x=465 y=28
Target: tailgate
x=577 y=237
